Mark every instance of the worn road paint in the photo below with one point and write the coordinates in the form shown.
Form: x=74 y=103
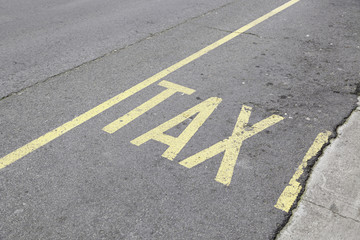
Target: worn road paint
x=172 y=88
x=203 y=111
x=231 y=146
x=59 y=131
x=291 y=192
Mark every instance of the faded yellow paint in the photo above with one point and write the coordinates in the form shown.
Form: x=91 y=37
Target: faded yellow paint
x=59 y=131
x=231 y=146
x=203 y=111
x=172 y=88
x=291 y=192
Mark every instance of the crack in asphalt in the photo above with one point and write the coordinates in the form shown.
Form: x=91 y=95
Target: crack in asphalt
x=151 y=35
x=307 y=170
x=228 y=31
x=219 y=29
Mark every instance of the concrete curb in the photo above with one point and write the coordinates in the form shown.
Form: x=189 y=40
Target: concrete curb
x=330 y=205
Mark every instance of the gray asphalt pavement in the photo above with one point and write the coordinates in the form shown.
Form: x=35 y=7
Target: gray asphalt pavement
x=41 y=38
x=300 y=65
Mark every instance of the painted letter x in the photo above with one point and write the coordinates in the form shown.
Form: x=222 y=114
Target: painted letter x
x=231 y=146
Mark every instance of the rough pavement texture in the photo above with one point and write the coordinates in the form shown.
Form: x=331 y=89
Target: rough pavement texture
x=302 y=64
x=43 y=38
x=330 y=207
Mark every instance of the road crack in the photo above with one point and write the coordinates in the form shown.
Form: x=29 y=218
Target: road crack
x=149 y=36
x=336 y=213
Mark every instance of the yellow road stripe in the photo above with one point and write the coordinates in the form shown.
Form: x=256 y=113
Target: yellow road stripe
x=57 y=132
x=172 y=88
x=290 y=193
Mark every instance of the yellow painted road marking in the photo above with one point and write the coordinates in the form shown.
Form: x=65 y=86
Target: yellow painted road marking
x=231 y=146
x=172 y=88
x=291 y=192
x=59 y=131
x=203 y=111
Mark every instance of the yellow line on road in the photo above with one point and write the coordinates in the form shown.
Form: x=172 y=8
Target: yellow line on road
x=57 y=132
x=291 y=192
x=172 y=88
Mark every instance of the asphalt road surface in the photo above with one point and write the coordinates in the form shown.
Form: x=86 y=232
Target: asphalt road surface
x=167 y=119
